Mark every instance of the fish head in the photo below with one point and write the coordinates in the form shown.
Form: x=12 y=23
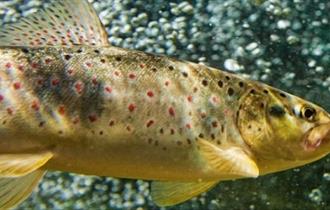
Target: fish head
x=281 y=127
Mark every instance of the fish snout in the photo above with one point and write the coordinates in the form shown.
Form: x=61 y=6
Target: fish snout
x=316 y=136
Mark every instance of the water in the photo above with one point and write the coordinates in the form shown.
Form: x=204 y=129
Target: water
x=284 y=43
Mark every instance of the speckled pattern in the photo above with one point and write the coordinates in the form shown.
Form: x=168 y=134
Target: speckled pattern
x=283 y=43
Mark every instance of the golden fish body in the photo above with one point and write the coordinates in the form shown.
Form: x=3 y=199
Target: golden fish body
x=73 y=103
x=99 y=107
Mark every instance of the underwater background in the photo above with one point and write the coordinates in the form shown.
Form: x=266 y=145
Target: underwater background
x=284 y=43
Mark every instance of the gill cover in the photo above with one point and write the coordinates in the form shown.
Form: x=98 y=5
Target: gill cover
x=251 y=121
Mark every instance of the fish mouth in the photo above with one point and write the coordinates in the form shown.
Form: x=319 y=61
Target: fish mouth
x=316 y=137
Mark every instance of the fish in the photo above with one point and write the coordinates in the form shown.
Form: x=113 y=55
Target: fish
x=70 y=101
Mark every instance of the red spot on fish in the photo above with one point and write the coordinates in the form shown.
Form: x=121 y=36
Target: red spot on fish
x=167 y=83
x=150 y=94
x=70 y=71
x=61 y=110
x=108 y=89
x=89 y=64
x=215 y=99
x=142 y=65
x=150 y=123
x=17 y=85
x=1 y=98
x=227 y=112
x=171 y=111
x=35 y=105
x=79 y=86
x=34 y=65
x=131 y=107
x=40 y=82
x=190 y=98
x=92 y=117
x=188 y=126
x=94 y=81
x=75 y=120
x=8 y=65
x=117 y=73
x=132 y=76
x=48 y=60
x=10 y=111
x=55 y=82
x=214 y=124
x=21 y=67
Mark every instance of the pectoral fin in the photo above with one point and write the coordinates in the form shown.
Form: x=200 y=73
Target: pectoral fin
x=15 y=165
x=15 y=190
x=171 y=193
x=229 y=161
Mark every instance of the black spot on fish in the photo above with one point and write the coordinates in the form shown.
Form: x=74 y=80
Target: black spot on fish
x=276 y=111
x=230 y=91
x=25 y=50
x=205 y=82
x=67 y=57
x=227 y=78
x=154 y=69
x=184 y=74
x=241 y=84
x=171 y=68
x=262 y=105
x=220 y=83
x=283 y=95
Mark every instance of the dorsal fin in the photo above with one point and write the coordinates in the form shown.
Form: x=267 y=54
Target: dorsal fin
x=64 y=22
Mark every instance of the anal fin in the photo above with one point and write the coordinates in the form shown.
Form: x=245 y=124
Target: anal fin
x=230 y=161
x=15 y=165
x=170 y=193
x=14 y=190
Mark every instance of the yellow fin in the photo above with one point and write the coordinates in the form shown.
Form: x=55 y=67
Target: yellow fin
x=64 y=22
x=14 y=190
x=171 y=193
x=229 y=161
x=14 y=165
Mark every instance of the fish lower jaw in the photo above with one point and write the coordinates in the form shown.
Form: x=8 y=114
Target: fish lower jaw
x=316 y=137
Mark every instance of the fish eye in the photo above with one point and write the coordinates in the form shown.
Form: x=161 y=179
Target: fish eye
x=308 y=113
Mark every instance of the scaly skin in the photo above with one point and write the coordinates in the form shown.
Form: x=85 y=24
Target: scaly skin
x=116 y=112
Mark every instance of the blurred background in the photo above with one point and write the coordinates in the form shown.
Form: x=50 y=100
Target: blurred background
x=284 y=43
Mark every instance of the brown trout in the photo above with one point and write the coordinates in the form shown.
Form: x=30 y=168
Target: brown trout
x=71 y=102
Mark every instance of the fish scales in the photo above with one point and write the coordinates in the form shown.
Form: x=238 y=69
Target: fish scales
x=71 y=102
x=162 y=104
